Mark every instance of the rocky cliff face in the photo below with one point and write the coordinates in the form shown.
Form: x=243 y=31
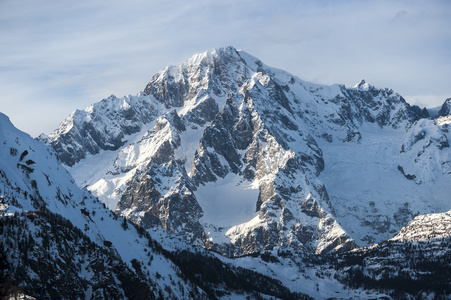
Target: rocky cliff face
x=445 y=110
x=241 y=157
x=102 y=126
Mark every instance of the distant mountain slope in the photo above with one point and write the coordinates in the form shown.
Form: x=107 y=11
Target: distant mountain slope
x=415 y=263
x=240 y=157
x=425 y=228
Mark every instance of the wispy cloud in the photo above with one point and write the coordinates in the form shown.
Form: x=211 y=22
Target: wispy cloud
x=58 y=56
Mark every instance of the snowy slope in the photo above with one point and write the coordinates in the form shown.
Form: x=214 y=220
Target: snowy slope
x=33 y=182
x=377 y=194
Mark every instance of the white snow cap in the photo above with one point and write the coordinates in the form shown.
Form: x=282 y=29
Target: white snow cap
x=363 y=85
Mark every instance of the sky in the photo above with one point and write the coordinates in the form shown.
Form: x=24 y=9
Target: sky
x=58 y=56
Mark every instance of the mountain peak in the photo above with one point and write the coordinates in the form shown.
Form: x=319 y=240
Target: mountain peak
x=363 y=85
x=445 y=110
x=211 y=55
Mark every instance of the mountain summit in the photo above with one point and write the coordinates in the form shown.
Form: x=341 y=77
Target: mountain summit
x=363 y=85
x=240 y=157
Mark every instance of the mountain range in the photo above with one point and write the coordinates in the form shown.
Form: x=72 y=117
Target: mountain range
x=227 y=162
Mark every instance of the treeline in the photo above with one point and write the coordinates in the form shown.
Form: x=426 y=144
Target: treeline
x=44 y=255
x=217 y=278
x=47 y=257
x=399 y=268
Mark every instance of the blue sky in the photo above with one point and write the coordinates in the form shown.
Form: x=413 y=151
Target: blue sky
x=57 y=56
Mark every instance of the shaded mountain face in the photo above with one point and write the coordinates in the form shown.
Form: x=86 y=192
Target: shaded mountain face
x=240 y=157
x=58 y=241
x=445 y=110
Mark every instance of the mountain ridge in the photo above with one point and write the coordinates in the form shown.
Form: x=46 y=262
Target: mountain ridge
x=224 y=112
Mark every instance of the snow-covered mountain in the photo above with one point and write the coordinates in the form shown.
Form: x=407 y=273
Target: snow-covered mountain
x=240 y=157
x=57 y=241
x=296 y=187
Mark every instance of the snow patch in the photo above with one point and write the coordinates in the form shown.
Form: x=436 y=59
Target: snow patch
x=227 y=202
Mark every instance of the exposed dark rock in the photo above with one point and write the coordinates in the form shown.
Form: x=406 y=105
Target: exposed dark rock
x=445 y=110
x=203 y=113
x=175 y=212
x=102 y=127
